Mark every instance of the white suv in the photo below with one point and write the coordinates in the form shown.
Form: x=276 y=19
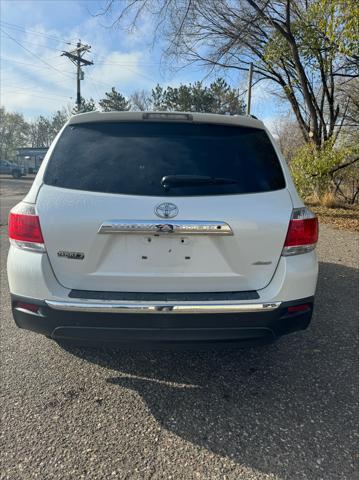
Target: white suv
x=162 y=228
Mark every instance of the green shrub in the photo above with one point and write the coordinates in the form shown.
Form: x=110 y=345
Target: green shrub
x=312 y=168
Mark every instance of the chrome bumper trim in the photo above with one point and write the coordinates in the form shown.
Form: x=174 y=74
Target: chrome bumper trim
x=172 y=227
x=158 y=308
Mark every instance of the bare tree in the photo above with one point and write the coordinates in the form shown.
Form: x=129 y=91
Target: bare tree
x=302 y=46
x=288 y=136
x=141 y=101
x=348 y=93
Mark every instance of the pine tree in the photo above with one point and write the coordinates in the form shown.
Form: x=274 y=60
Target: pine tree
x=219 y=97
x=114 y=101
x=86 y=106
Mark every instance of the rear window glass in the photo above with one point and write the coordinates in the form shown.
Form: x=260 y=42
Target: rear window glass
x=132 y=158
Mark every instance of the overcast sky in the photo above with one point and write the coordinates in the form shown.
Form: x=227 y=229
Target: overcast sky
x=37 y=80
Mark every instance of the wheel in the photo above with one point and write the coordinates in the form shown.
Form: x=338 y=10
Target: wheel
x=16 y=173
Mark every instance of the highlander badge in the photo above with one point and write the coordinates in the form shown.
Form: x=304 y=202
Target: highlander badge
x=71 y=255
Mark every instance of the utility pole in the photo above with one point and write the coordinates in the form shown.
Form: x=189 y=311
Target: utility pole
x=76 y=57
x=249 y=89
x=250 y=71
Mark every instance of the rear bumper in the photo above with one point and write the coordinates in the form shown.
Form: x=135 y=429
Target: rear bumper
x=155 y=326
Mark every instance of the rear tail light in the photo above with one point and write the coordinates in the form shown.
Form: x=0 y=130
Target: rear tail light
x=24 y=228
x=302 y=235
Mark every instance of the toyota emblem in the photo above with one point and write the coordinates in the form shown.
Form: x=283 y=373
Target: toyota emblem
x=166 y=210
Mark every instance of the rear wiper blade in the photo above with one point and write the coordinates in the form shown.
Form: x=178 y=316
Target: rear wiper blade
x=170 y=181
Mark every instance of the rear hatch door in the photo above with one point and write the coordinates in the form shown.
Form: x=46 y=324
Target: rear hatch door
x=109 y=176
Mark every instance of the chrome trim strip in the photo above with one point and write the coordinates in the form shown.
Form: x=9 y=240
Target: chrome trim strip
x=174 y=227
x=112 y=307
x=28 y=312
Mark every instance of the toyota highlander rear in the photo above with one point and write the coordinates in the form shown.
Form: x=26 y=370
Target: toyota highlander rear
x=162 y=228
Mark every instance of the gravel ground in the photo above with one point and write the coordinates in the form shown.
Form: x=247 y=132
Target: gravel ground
x=284 y=411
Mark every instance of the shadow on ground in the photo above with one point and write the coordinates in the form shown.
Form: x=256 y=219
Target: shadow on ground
x=288 y=409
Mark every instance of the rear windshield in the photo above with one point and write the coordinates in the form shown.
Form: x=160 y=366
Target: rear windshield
x=132 y=158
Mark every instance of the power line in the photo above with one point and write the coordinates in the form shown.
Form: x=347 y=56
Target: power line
x=34 y=89
x=98 y=82
x=34 y=32
x=76 y=56
x=53 y=81
x=26 y=92
x=94 y=84
x=28 y=64
x=121 y=64
x=31 y=88
x=146 y=77
x=33 y=54
x=103 y=61
x=40 y=45
x=128 y=65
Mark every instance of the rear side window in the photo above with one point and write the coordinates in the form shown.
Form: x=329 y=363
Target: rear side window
x=132 y=158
